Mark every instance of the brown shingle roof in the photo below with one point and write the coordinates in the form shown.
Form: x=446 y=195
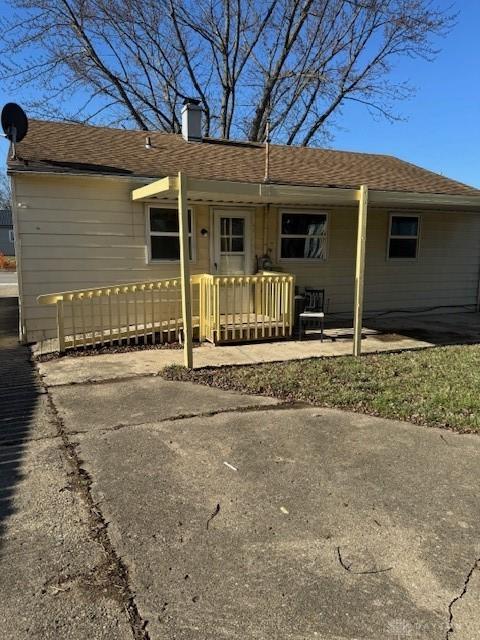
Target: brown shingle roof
x=64 y=147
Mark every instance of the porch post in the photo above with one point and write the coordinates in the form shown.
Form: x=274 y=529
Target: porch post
x=360 y=270
x=185 y=271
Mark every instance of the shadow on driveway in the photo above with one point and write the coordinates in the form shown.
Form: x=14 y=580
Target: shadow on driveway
x=19 y=392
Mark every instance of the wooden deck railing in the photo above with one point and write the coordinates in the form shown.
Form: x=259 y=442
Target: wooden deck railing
x=225 y=309
x=244 y=308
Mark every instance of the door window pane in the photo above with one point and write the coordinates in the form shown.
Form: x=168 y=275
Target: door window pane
x=232 y=235
x=225 y=226
x=237 y=245
x=237 y=226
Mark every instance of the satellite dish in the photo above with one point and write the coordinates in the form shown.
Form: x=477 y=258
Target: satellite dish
x=14 y=122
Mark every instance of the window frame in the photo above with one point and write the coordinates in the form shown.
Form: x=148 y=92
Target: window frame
x=171 y=234
x=392 y=215
x=280 y=235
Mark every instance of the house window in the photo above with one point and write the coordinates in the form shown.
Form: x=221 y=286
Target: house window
x=403 y=237
x=10 y=235
x=164 y=236
x=303 y=236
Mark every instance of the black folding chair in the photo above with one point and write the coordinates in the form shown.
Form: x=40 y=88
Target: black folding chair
x=314 y=309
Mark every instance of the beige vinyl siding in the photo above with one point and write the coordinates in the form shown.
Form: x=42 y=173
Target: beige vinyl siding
x=446 y=271
x=78 y=232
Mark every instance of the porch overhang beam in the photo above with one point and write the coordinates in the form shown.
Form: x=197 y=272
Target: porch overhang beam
x=261 y=193
x=164 y=186
x=243 y=192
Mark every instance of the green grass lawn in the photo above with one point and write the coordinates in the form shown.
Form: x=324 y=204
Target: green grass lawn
x=434 y=387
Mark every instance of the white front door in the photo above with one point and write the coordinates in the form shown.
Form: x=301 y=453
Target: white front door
x=231 y=254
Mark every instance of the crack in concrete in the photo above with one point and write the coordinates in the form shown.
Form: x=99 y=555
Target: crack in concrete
x=100 y=381
x=281 y=406
x=114 y=572
x=450 y=629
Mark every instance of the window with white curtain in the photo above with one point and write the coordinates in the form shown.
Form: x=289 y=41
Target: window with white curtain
x=303 y=235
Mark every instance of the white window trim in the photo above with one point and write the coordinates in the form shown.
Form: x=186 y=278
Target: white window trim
x=11 y=236
x=281 y=235
x=149 y=233
x=392 y=215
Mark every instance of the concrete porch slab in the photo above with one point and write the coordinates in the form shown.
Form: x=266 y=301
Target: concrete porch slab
x=381 y=334
x=95 y=368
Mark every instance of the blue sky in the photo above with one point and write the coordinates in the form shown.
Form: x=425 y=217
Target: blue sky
x=441 y=131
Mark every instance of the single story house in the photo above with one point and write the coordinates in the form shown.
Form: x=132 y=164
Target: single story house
x=96 y=208
x=7 y=244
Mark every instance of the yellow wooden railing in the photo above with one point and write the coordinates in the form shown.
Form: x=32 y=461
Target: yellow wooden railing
x=244 y=308
x=225 y=309
x=123 y=313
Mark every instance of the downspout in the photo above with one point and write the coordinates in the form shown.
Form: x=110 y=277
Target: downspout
x=266 y=218
x=18 y=258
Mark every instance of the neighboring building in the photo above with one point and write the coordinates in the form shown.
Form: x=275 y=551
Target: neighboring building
x=79 y=225
x=7 y=245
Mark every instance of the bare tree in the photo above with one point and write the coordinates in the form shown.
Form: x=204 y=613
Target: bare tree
x=292 y=62
x=5 y=192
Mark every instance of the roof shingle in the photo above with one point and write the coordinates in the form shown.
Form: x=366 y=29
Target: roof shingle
x=76 y=148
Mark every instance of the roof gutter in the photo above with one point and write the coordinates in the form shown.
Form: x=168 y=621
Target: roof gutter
x=80 y=174
x=392 y=198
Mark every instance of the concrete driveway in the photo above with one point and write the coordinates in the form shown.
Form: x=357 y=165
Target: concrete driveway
x=56 y=578
x=8 y=284
x=241 y=517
